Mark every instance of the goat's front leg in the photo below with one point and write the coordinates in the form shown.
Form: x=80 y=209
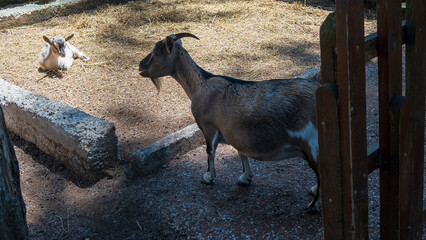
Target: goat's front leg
x=211 y=150
x=245 y=179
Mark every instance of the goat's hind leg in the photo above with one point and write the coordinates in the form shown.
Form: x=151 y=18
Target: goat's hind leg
x=211 y=143
x=314 y=189
x=245 y=179
x=315 y=205
x=77 y=54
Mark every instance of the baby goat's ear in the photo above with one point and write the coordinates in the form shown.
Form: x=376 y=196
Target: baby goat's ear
x=47 y=40
x=69 y=37
x=170 y=43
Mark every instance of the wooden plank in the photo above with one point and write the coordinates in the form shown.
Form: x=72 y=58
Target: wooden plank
x=328 y=44
x=389 y=18
x=413 y=151
x=329 y=162
x=371 y=43
x=351 y=82
x=329 y=41
x=370 y=46
x=373 y=158
x=394 y=167
x=405 y=171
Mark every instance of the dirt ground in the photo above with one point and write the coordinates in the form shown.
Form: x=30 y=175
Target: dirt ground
x=245 y=39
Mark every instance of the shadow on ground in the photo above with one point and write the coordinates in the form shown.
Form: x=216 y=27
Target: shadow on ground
x=52 y=164
x=46 y=14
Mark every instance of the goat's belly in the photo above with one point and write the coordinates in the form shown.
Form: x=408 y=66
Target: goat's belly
x=285 y=152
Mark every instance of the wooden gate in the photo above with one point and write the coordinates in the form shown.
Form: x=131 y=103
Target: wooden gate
x=344 y=160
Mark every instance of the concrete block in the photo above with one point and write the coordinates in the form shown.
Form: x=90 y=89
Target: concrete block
x=313 y=73
x=85 y=144
x=150 y=158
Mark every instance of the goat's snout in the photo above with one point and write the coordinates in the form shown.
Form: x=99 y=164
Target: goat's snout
x=62 y=51
x=144 y=66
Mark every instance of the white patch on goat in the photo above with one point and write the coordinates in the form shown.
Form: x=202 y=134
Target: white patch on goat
x=214 y=141
x=310 y=134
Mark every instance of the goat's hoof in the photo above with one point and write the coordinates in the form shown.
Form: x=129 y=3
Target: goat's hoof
x=313 y=191
x=206 y=182
x=313 y=208
x=243 y=181
x=86 y=58
x=207 y=179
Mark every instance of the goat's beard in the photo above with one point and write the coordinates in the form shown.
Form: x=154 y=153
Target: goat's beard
x=157 y=83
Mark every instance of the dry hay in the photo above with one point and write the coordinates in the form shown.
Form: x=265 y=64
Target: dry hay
x=245 y=39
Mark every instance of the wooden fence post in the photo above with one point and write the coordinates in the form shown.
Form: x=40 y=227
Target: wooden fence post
x=352 y=110
x=405 y=171
x=413 y=148
x=328 y=132
x=13 y=223
x=389 y=18
x=328 y=45
x=329 y=162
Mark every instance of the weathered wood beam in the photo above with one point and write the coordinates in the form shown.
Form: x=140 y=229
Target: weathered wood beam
x=328 y=46
x=412 y=148
x=371 y=43
x=373 y=157
x=352 y=108
x=329 y=162
x=389 y=53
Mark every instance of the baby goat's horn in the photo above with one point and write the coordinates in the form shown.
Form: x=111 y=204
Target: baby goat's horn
x=181 y=35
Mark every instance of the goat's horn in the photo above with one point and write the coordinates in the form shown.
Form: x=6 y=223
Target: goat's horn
x=181 y=35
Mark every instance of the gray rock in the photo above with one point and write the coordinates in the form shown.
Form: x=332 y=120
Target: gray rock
x=313 y=73
x=150 y=158
x=85 y=144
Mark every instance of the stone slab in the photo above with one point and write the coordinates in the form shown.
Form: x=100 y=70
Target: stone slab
x=313 y=73
x=152 y=157
x=85 y=144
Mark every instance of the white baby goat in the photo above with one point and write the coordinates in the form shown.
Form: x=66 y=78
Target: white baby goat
x=58 y=53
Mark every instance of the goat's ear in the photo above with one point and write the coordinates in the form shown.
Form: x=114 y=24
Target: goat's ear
x=47 y=40
x=170 y=43
x=69 y=37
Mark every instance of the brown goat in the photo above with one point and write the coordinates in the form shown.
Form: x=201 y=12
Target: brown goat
x=264 y=120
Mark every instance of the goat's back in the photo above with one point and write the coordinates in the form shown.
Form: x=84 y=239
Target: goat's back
x=288 y=102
